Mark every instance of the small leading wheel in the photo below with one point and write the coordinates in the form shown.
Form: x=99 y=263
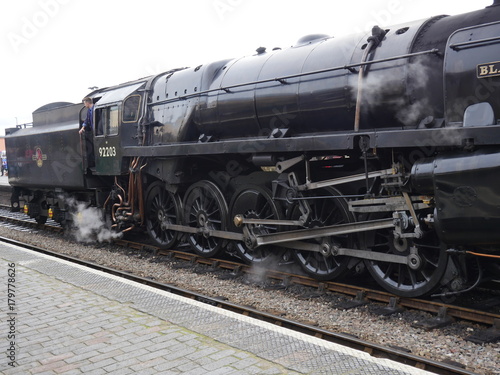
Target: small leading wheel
x=40 y=219
x=162 y=207
x=326 y=210
x=430 y=261
x=206 y=209
x=256 y=203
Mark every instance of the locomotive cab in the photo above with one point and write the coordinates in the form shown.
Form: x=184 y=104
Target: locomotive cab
x=116 y=116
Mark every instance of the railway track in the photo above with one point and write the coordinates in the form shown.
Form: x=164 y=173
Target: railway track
x=274 y=278
x=375 y=350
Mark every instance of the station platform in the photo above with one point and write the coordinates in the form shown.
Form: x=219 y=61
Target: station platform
x=66 y=319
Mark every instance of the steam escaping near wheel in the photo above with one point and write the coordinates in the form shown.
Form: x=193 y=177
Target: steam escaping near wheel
x=258 y=273
x=89 y=224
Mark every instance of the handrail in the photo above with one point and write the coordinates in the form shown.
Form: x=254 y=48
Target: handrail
x=283 y=79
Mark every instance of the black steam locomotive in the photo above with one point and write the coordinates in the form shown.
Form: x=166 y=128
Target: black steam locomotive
x=377 y=152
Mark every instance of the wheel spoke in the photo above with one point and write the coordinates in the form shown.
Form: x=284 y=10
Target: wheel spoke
x=401 y=279
x=256 y=203
x=162 y=207
x=325 y=212
x=206 y=208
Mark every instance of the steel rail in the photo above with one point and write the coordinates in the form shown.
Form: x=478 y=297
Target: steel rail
x=458 y=312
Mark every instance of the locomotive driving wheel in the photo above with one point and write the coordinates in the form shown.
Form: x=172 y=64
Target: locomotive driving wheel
x=327 y=208
x=206 y=209
x=162 y=207
x=256 y=203
x=429 y=261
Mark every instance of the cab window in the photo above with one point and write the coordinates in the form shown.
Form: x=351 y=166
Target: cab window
x=107 y=121
x=131 y=108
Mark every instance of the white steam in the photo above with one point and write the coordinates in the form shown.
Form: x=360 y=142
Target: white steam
x=413 y=113
x=384 y=88
x=89 y=224
x=258 y=273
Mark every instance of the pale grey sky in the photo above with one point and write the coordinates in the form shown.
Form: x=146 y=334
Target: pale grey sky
x=54 y=50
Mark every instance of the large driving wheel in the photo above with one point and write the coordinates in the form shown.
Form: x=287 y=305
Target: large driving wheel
x=162 y=208
x=326 y=210
x=205 y=208
x=401 y=279
x=256 y=203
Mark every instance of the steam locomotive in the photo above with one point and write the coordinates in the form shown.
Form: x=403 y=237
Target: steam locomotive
x=375 y=152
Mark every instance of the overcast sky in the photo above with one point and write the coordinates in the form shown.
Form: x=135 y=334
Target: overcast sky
x=54 y=50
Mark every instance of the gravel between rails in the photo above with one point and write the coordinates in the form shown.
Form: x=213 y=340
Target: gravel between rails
x=447 y=344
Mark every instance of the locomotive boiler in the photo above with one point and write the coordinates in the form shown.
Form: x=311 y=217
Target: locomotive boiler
x=375 y=152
